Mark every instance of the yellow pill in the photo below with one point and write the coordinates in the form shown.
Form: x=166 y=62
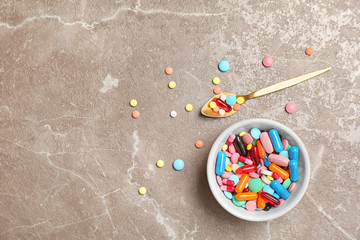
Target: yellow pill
x=240 y=100
x=189 y=107
x=142 y=190
x=160 y=163
x=213 y=105
x=216 y=80
x=249 y=146
x=172 y=84
x=133 y=102
x=224 y=147
x=228 y=169
x=270 y=178
x=242 y=134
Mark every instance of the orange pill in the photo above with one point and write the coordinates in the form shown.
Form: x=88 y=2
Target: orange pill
x=216 y=109
x=261 y=203
x=217 y=90
x=135 y=114
x=236 y=107
x=309 y=51
x=246 y=196
x=260 y=149
x=199 y=144
x=169 y=70
x=282 y=173
x=242 y=183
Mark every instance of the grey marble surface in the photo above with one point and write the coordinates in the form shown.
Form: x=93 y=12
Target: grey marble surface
x=72 y=158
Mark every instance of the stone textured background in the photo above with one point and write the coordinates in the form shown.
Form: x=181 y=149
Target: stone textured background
x=72 y=158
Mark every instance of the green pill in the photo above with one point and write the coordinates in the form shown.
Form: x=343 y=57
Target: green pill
x=255 y=185
x=238 y=203
x=287 y=183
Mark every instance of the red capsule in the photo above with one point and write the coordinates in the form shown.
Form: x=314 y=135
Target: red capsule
x=246 y=169
x=245 y=160
x=223 y=105
x=228 y=182
x=230 y=140
x=255 y=155
x=227 y=188
x=270 y=198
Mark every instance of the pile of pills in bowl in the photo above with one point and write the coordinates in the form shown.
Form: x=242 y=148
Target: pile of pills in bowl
x=257 y=170
x=226 y=103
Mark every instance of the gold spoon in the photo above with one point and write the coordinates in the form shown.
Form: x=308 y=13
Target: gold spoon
x=208 y=112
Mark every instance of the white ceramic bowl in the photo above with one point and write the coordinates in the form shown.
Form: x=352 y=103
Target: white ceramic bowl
x=301 y=184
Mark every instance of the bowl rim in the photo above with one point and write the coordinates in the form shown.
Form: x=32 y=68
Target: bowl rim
x=211 y=176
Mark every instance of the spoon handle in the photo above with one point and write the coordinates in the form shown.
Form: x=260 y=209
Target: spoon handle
x=286 y=84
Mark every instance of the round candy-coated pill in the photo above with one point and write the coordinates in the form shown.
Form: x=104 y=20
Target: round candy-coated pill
x=222 y=112
x=228 y=169
x=284 y=154
x=135 y=114
x=224 y=147
x=292 y=187
x=268 y=189
x=172 y=84
x=309 y=51
x=189 y=107
x=178 y=164
x=224 y=66
x=287 y=183
x=255 y=133
x=231 y=99
x=133 y=102
x=228 y=194
x=173 y=114
x=142 y=190
x=236 y=107
x=217 y=90
x=240 y=100
x=251 y=205
x=234 y=178
x=213 y=104
x=199 y=144
x=226 y=175
x=160 y=163
x=216 y=80
x=290 y=107
x=249 y=146
x=255 y=185
x=267 y=61
x=237 y=202
x=169 y=70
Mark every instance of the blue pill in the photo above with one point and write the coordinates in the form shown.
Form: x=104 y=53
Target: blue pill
x=275 y=139
x=231 y=99
x=220 y=163
x=276 y=195
x=284 y=154
x=279 y=189
x=227 y=161
x=266 y=162
x=294 y=170
x=228 y=194
x=294 y=153
x=224 y=66
x=178 y=164
x=255 y=133
x=268 y=189
x=234 y=178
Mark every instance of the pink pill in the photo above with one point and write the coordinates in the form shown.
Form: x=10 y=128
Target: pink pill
x=267 y=61
x=219 y=180
x=253 y=175
x=251 y=205
x=266 y=142
x=226 y=175
x=292 y=187
x=285 y=144
x=245 y=160
x=247 y=139
x=259 y=170
x=290 y=107
x=228 y=154
x=230 y=139
x=281 y=202
x=279 y=160
x=232 y=149
x=235 y=158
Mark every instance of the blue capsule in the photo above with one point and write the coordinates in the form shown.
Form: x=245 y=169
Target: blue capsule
x=279 y=189
x=266 y=162
x=294 y=153
x=220 y=163
x=275 y=139
x=294 y=170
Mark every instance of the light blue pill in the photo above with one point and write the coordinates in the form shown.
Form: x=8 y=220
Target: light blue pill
x=234 y=178
x=284 y=154
x=266 y=162
x=268 y=189
x=276 y=195
x=255 y=133
x=280 y=189
x=224 y=66
x=231 y=99
x=275 y=140
x=258 y=209
x=178 y=164
x=228 y=194
x=227 y=161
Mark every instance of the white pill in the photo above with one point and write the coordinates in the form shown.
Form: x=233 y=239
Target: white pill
x=221 y=111
x=223 y=97
x=173 y=114
x=265 y=180
x=266 y=172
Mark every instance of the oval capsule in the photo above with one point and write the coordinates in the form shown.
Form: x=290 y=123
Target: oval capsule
x=294 y=170
x=294 y=153
x=279 y=160
x=260 y=149
x=282 y=173
x=266 y=142
x=276 y=140
x=279 y=189
x=261 y=203
x=220 y=163
x=242 y=183
x=246 y=196
x=240 y=146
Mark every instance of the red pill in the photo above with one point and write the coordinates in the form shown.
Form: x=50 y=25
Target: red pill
x=245 y=160
x=223 y=105
x=246 y=169
x=228 y=182
x=270 y=198
x=246 y=190
x=227 y=188
x=255 y=156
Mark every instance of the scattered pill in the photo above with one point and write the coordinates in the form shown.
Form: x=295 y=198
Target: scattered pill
x=173 y=114
x=169 y=70
x=216 y=80
x=189 y=107
x=160 y=163
x=217 y=90
x=172 y=84
x=135 y=114
x=178 y=164
x=142 y=190
x=199 y=144
x=309 y=51
x=290 y=107
x=133 y=102
x=267 y=61
x=224 y=66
